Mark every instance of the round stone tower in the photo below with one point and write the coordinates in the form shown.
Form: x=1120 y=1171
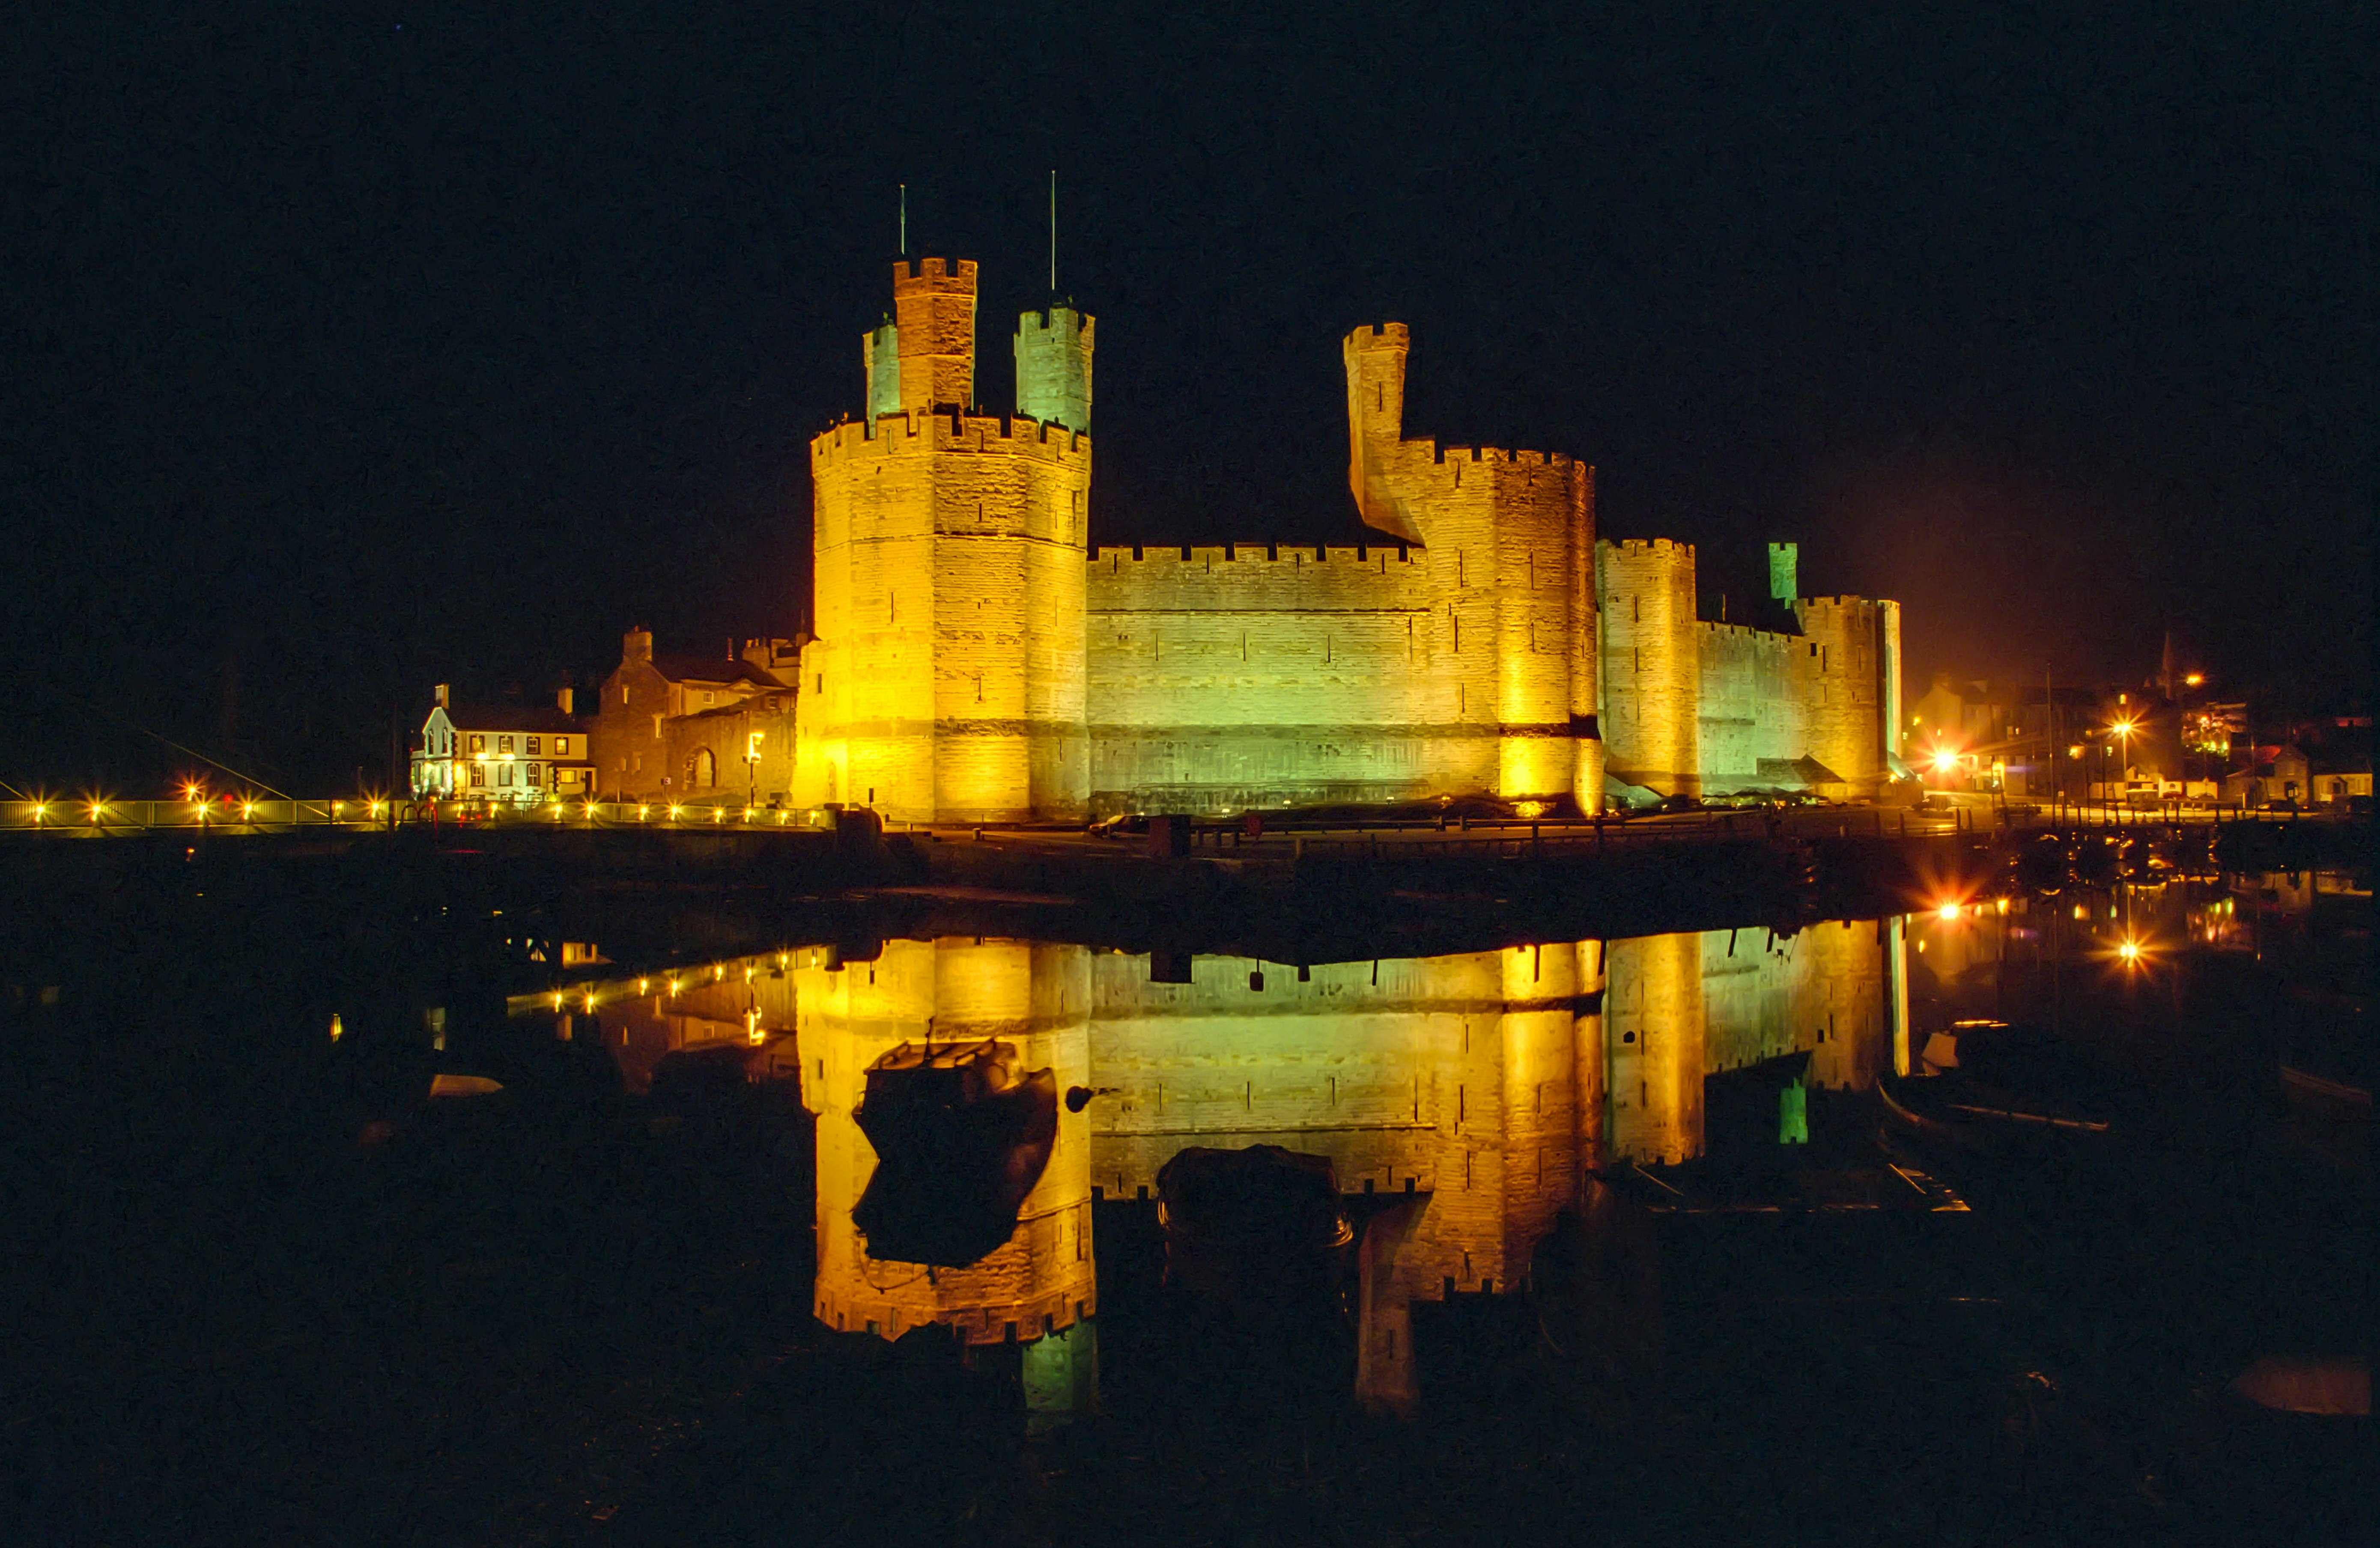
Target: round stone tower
x=946 y=683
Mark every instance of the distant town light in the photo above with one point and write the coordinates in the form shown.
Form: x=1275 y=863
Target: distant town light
x=1944 y=760
x=1947 y=911
x=2195 y=680
x=2129 y=952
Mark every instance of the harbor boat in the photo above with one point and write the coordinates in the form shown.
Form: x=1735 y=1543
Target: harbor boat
x=961 y=1135
x=1985 y=1086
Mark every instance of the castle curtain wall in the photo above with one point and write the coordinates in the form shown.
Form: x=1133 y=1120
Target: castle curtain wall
x=1225 y=678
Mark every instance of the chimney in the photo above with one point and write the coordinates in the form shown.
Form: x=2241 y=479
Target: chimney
x=441 y=691
x=637 y=644
x=562 y=699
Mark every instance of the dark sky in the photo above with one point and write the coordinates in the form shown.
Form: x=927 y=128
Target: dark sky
x=351 y=349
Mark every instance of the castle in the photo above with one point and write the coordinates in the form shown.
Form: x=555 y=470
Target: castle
x=975 y=659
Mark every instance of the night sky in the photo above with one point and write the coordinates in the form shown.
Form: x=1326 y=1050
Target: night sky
x=354 y=349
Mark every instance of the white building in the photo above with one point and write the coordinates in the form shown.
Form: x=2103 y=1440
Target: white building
x=503 y=754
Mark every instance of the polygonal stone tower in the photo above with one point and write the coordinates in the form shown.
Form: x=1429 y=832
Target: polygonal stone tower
x=1509 y=539
x=946 y=681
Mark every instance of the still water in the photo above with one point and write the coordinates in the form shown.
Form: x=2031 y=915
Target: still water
x=1491 y=1089
x=1628 y=1232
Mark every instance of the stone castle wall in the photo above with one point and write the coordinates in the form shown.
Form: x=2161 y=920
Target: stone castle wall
x=1225 y=678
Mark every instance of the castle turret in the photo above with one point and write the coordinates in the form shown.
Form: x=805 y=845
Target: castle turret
x=1376 y=417
x=934 y=308
x=880 y=357
x=1053 y=367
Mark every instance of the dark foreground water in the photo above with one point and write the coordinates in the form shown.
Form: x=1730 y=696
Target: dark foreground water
x=1636 y=1255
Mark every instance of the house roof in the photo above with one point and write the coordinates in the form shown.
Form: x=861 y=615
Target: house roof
x=712 y=669
x=513 y=716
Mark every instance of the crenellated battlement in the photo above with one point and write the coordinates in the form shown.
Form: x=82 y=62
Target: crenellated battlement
x=1649 y=548
x=1718 y=630
x=894 y=435
x=1364 y=555
x=913 y=275
x=1039 y=320
x=1391 y=333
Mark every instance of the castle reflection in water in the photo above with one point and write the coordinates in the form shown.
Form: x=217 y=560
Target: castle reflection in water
x=1485 y=1082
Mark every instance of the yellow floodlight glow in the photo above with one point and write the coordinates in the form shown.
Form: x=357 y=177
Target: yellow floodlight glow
x=2129 y=951
x=643 y=812
x=644 y=985
x=752 y=1028
x=247 y=808
x=1947 y=911
x=673 y=986
x=674 y=810
x=2122 y=727
x=557 y=999
x=2195 y=680
x=1944 y=760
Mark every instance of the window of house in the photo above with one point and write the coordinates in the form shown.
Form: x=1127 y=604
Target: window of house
x=503 y=773
x=533 y=777
x=531 y=749
x=503 y=744
x=478 y=743
x=706 y=695
x=623 y=694
x=479 y=772
x=640 y=763
x=561 y=748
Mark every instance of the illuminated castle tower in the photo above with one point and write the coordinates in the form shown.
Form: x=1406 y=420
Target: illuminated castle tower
x=1652 y=665
x=1509 y=539
x=946 y=680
